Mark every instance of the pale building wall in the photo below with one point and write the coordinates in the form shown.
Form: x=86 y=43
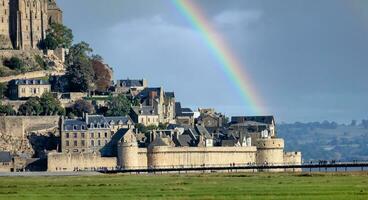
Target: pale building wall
x=161 y=157
x=293 y=158
x=78 y=161
x=25 y=91
x=270 y=151
x=148 y=120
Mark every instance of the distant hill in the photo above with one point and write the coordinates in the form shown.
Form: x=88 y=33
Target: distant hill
x=327 y=140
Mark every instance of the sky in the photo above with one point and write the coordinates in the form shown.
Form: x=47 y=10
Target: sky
x=306 y=59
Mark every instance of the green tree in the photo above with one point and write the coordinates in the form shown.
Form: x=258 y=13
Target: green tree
x=51 y=105
x=14 y=63
x=80 y=76
x=118 y=106
x=58 y=36
x=82 y=106
x=7 y=110
x=31 y=107
x=3 y=90
x=78 y=51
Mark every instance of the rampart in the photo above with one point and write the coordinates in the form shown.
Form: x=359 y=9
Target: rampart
x=78 y=162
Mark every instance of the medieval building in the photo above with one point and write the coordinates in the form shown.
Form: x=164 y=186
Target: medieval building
x=23 y=23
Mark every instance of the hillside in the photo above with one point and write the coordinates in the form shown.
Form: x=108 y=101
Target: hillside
x=326 y=141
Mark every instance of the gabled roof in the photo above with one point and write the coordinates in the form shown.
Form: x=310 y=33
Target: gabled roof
x=183 y=112
x=144 y=110
x=158 y=142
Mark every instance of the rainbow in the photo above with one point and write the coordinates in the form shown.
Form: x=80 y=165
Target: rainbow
x=228 y=63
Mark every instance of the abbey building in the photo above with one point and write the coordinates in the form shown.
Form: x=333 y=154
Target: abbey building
x=23 y=23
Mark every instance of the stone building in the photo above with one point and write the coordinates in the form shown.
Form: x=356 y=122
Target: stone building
x=211 y=119
x=93 y=133
x=184 y=116
x=24 y=22
x=146 y=115
x=26 y=88
x=128 y=85
x=6 y=162
x=163 y=103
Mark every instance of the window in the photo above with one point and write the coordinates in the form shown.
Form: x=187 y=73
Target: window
x=66 y=135
x=75 y=135
x=67 y=143
x=105 y=134
x=92 y=143
x=92 y=135
x=23 y=90
x=105 y=142
x=75 y=143
x=83 y=135
x=99 y=143
x=99 y=135
x=83 y=143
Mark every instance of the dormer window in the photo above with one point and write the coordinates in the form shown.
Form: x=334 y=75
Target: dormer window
x=91 y=125
x=75 y=127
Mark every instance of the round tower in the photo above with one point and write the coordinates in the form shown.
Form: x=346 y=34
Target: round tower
x=270 y=151
x=128 y=151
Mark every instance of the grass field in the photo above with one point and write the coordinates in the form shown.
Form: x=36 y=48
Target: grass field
x=196 y=186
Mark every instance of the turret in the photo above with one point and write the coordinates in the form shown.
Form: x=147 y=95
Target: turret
x=270 y=151
x=128 y=151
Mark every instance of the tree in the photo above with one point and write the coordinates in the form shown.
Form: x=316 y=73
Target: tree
x=82 y=106
x=57 y=36
x=78 y=51
x=118 y=106
x=3 y=90
x=80 y=76
x=14 y=63
x=102 y=78
x=7 y=110
x=80 y=72
x=49 y=43
x=31 y=107
x=51 y=105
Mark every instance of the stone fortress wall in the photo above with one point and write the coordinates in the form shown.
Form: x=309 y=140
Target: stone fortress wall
x=18 y=126
x=78 y=161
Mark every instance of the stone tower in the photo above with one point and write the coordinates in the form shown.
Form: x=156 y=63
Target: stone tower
x=28 y=22
x=4 y=25
x=270 y=151
x=128 y=151
x=55 y=14
x=23 y=23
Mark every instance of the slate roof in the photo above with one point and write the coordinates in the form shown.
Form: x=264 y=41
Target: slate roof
x=5 y=157
x=130 y=83
x=118 y=120
x=144 y=110
x=170 y=94
x=95 y=120
x=145 y=93
x=30 y=82
x=184 y=140
x=158 y=142
x=74 y=124
x=203 y=131
x=229 y=143
x=260 y=119
x=183 y=112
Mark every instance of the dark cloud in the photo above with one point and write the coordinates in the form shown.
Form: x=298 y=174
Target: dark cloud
x=306 y=58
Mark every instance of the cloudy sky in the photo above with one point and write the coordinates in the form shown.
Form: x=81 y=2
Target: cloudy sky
x=307 y=59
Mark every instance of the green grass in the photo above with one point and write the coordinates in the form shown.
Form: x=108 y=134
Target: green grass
x=196 y=186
